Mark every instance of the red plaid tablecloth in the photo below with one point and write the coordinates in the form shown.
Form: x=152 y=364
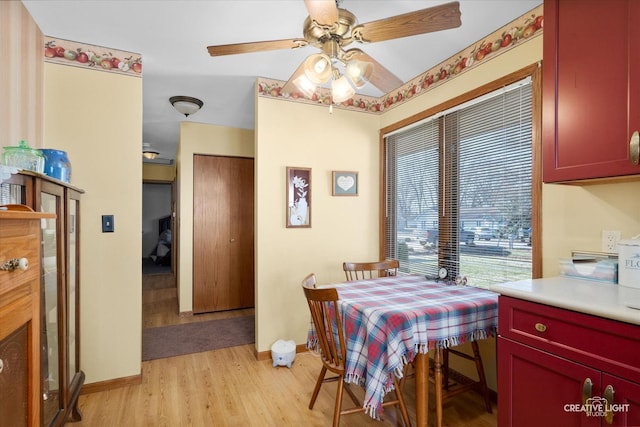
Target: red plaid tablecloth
x=388 y=320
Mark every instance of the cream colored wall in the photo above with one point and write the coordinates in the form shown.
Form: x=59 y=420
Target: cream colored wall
x=97 y=118
x=575 y=216
x=152 y=172
x=198 y=138
x=342 y=228
x=493 y=68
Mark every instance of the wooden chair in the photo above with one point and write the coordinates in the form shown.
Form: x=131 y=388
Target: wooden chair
x=447 y=389
x=329 y=327
x=370 y=270
x=460 y=388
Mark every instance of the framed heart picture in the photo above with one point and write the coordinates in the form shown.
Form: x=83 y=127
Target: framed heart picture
x=345 y=183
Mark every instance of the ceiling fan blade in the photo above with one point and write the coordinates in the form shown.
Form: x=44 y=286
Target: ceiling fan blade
x=423 y=21
x=381 y=78
x=324 y=12
x=233 y=49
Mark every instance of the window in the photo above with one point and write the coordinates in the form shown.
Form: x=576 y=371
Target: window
x=458 y=190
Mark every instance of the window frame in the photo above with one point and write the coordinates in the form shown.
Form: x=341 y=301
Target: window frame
x=534 y=71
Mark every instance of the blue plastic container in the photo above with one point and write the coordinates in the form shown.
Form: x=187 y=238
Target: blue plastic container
x=56 y=164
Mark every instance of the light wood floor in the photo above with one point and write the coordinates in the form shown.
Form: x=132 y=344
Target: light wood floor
x=228 y=387
x=160 y=304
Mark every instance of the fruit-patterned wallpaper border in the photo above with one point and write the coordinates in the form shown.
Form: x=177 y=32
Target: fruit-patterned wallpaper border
x=100 y=58
x=525 y=28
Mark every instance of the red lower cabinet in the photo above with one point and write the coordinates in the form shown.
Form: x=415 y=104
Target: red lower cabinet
x=625 y=410
x=562 y=368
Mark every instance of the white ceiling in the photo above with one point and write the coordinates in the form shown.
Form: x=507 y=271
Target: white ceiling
x=172 y=37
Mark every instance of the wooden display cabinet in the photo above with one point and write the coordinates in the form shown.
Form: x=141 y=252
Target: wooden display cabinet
x=60 y=375
x=20 y=266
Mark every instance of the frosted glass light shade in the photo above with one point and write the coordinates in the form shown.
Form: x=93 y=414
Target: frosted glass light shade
x=304 y=84
x=341 y=90
x=317 y=68
x=359 y=72
x=186 y=105
x=149 y=154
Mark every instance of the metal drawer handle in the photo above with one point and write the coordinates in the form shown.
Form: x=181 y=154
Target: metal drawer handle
x=634 y=148
x=541 y=327
x=608 y=412
x=14 y=263
x=1 y=365
x=587 y=386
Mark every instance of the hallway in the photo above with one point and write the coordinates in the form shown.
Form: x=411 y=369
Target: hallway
x=160 y=304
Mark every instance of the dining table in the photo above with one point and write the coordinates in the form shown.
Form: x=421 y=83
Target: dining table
x=393 y=321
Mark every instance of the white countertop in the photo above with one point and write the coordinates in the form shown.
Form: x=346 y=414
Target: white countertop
x=596 y=298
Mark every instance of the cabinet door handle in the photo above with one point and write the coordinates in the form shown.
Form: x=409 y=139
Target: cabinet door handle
x=15 y=263
x=634 y=148
x=608 y=412
x=587 y=386
x=541 y=327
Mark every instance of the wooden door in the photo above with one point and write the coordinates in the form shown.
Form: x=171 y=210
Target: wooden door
x=222 y=233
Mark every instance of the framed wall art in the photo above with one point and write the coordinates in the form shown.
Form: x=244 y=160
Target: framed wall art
x=298 y=197
x=345 y=183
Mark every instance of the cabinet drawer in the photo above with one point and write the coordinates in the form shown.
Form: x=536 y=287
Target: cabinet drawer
x=605 y=344
x=19 y=239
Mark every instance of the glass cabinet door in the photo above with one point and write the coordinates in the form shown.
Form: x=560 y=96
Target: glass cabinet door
x=75 y=377
x=72 y=295
x=52 y=388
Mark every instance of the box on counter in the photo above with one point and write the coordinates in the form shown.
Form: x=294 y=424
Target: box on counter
x=601 y=270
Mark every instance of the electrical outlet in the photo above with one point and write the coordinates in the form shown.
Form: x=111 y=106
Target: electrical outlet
x=610 y=240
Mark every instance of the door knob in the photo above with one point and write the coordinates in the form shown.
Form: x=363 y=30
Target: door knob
x=15 y=263
x=634 y=148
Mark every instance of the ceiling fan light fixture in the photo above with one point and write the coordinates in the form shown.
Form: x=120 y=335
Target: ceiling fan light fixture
x=359 y=72
x=317 y=68
x=305 y=85
x=150 y=154
x=186 y=105
x=341 y=89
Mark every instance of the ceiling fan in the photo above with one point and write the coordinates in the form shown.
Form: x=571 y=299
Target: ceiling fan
x=330 y=29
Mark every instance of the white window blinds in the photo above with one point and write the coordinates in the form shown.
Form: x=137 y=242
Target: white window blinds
x=458 y=191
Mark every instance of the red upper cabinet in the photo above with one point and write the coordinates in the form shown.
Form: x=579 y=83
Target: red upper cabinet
x=591 y=89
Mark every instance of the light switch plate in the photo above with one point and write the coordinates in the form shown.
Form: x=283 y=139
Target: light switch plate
x=107 y=224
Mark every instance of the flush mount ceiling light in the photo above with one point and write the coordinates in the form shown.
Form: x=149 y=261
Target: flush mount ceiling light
x=150 y=154
x=186 y=105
